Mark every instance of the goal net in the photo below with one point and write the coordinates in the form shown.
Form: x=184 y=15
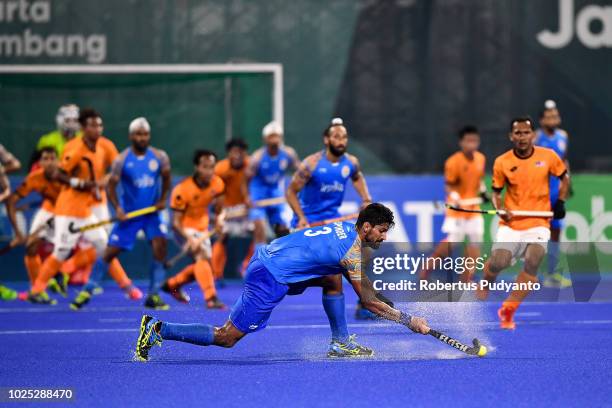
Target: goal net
x=188 y=106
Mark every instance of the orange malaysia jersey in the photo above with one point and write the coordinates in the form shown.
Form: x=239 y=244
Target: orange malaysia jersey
x=78 y=161
x=193 y=201
x=526 y=181
x=464 y=176
x=233 y=180
x=37 y=181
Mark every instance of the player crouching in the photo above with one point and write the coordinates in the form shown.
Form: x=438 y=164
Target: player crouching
x=285 y=263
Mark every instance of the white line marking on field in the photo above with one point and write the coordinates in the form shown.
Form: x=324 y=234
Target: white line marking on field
x=199 y=308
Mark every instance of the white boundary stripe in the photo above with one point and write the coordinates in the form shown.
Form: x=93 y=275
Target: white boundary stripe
x=181 y=308
x=275 y=69
x=308 y=326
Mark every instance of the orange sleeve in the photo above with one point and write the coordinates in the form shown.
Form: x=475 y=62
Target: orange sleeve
x=219 y=186
x=178 y=198
x=70 y=159
x=557 y=167
x=499 y=179
x=450 y=171
x=221 y=168
x=111 y=153
x=27 y=186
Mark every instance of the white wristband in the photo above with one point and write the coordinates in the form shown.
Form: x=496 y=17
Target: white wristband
x=76 y=183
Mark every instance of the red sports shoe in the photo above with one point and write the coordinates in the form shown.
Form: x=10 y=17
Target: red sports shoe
x=506 y=317
x=133 y=293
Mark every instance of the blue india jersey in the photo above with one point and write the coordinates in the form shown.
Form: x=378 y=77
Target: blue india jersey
x=558 y=143
x=140 y=177
x=322 y=195
x=312 y=253
x=269 y=171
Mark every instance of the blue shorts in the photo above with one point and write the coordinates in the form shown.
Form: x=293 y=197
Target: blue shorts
x=124 y=233
x=259 y=297
x=274 y=212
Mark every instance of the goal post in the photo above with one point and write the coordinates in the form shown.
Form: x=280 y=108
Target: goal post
x=188 y=105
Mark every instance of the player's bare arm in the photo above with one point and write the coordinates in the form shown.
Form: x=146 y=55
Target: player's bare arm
x=298 y=181
x=166 y=178
x=112 y=196
x=219 y=212
x=5 y=185
x=359 y=182
x=11 y=210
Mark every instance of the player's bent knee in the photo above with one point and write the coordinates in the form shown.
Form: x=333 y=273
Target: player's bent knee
x=332 y=284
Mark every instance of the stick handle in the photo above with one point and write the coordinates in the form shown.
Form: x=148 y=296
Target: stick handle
x=130 y=215
x=337 y=219
x=185 y=250
x=518 y=213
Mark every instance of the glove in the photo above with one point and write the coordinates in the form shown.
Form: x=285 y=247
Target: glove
x=485 y=197
x=559 y=210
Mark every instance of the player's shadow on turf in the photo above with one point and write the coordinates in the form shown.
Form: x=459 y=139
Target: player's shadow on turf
x=235 y=362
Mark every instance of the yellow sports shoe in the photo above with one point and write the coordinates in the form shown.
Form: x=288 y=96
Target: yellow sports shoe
x=557 y=280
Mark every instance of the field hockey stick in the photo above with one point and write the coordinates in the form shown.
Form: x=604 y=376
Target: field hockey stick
x=332 y=220
x=461 y=203
x=185 y=250
x=329 y=221
x=476 y=350
x=128 y=216
x=243 y=211
x=517 y=213
x=92 y=178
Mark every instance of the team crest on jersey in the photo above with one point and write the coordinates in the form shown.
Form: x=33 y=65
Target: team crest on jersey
x=283 y=164
x=153 y=165
x=540 y=163
x=345 y=171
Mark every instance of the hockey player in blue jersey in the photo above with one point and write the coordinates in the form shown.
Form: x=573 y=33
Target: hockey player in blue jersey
x=551 y=136
x=316 y=193
x=143 y=172
x=266 y=174
x=286 y=264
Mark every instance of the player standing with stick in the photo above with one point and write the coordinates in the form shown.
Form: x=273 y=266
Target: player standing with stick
x=73 y=207
x=232 y=171
x=320 y=182
x=464 y=172
x=266 y=170
x=551 y=136
x=43 y=181
x=524 y=172
x=144 y=174
x=190 y=201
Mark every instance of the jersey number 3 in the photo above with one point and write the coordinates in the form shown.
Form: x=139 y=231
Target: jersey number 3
x=322 y=231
